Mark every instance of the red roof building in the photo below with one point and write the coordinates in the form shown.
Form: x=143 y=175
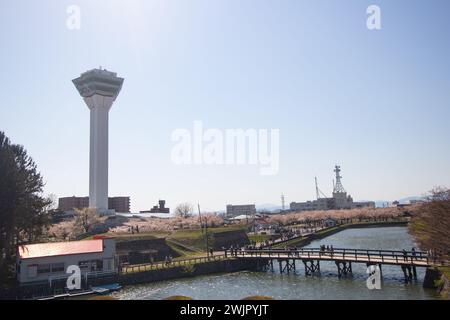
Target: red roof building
x=43 y=262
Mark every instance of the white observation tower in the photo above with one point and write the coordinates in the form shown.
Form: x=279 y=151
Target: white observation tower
x=99 y=89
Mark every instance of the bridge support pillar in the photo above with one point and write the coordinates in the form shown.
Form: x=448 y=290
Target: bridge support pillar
x=407 y=272
x=264 y=265
x=313 y=267
x=343 y=268
x=268 y=265
x=288 y=265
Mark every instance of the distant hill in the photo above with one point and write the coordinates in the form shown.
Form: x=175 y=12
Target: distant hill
x=381 y=203
x=269 y=207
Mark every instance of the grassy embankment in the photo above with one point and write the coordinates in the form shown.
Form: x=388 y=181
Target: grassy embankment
x=187 y=243
x=258 y=237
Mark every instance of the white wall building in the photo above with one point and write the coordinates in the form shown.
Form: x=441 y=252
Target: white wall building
x=237 y=210
x=42 y=262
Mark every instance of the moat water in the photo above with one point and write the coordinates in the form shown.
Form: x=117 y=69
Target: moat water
x=327 y=285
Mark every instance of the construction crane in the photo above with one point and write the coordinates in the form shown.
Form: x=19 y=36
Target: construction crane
x=318 y=191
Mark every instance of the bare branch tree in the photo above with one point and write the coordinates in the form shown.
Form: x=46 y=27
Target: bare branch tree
x=85 y=219
x=184 y=210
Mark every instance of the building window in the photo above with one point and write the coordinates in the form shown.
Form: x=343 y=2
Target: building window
x=58 y=267
x=43 y=268
x=32 y=271
x=96 y=265
x=84 y=265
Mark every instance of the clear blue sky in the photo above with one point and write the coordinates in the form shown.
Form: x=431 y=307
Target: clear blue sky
x=376 y=102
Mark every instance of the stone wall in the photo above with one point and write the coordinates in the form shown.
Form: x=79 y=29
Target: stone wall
x=230 y=238
x=141 y=251
x=223 y=266
x=435 y=279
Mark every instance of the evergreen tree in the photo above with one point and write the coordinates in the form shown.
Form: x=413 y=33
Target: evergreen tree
x=22 y=205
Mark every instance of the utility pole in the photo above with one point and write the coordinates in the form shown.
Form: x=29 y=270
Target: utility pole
x=206 y=230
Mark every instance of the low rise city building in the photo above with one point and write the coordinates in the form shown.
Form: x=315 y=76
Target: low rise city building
x=239 y=210
x=339 y=200
x=118 y=204
x=161 y=208
x=47 y=262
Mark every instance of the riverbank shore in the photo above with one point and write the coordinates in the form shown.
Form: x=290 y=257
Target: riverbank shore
x=439 y=280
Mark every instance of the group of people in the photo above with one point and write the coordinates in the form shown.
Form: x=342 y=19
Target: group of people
x=413 y=253
x=328 y=248
x=233 y=250
x=168 y=260
x=133 y=229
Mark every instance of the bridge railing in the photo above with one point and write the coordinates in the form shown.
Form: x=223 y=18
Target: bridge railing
x=344 y=253
x=170 y=264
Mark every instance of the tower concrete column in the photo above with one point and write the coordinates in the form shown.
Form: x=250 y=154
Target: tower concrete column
x=99 y=89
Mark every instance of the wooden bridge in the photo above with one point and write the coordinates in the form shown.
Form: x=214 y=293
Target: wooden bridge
x=310 y=257
x=343 y=258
